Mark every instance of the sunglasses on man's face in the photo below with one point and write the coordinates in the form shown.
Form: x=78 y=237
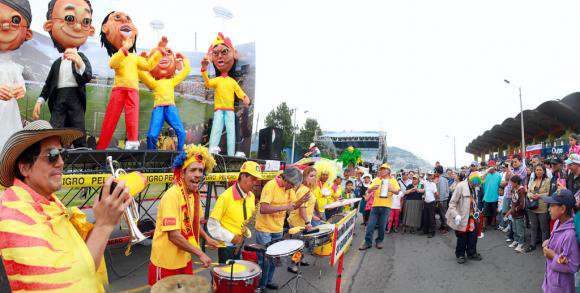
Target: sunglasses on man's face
x=53 y=155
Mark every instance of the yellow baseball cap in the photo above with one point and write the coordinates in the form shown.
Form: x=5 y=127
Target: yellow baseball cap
x=385 y=166
x=252 y=168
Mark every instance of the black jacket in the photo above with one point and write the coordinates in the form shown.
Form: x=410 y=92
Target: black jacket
x=51 y=84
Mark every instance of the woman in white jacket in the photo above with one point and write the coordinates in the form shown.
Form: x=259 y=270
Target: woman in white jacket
x=463 y=215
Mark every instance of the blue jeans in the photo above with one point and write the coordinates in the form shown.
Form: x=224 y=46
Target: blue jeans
x=221 y=117
x=519 y=230
x=159 y=115
x=267 y=265
x=378 y=215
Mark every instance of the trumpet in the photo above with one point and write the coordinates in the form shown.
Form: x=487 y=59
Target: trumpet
x=136 y=183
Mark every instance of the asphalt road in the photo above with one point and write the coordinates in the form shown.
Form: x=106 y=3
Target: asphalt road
x=408 y=263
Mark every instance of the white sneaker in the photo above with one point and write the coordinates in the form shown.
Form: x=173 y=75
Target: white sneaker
x=240 y=155
x=215 y=150
x=514 y=244
x=481 y=236
x=509 y=240
x=132 y=145
x=520 y=248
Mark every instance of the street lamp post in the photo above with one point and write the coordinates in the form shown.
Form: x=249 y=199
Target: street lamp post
x=295 y=128
x=521 y=119
x=293 y=136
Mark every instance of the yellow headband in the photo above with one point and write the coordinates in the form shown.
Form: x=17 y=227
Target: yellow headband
x=200 y=154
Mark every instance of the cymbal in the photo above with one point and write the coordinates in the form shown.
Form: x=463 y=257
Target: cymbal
x=181 y=283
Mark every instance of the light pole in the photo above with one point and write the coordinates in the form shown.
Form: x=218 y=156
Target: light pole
x=521 y=118
x=293 y=135
x=454 y=152
x=295 y=129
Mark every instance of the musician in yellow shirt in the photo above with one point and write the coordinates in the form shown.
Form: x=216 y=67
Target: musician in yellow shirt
x=232 y=212
x=177 y=228
x=223 y=57
x=119 y=36
x=278 y=197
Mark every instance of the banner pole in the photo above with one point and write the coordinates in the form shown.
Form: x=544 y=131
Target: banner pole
x=339 y=273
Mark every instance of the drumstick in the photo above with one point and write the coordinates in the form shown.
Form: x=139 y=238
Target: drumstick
x=213 y=264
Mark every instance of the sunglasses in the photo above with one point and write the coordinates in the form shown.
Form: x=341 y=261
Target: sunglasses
x=54 y=154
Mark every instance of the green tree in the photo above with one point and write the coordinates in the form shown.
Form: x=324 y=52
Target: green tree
x=281 y=117
x=310 y=129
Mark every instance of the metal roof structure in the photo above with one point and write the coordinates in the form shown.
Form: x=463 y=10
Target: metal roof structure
x=550 y=118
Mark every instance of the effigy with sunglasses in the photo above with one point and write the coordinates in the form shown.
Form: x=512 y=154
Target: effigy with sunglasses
x=15 y=19
x=69 y=24
x=223 y=56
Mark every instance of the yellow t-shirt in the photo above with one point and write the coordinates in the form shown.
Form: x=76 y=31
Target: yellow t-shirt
x=171 y=216
x=42 y=244
x=335 y=195
x=127 y=68
x=164 y=89
x=224 y=89
x=229 y=209
x=295 y=220
x=276 y=196
x=320 y=198
x=380 y=201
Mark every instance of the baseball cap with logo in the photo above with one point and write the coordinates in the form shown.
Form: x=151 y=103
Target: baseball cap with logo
x=252 y=168
x=573 y=159
x=561 y=197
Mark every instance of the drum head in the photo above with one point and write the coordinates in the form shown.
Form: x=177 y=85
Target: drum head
x=243 y=270
x=181 y=283
x=321 y=231
x=285 y=247
x=325 y=227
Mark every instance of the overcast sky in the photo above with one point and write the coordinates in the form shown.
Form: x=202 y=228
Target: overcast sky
x=419 y=70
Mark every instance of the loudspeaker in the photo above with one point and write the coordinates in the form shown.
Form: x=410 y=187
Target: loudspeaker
x=270 y=144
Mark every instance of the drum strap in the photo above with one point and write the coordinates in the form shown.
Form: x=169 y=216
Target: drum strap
x=243 y=204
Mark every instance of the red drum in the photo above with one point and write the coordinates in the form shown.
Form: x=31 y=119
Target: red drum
x=246 y=277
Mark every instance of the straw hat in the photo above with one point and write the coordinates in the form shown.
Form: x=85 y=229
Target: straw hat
x=21 y=140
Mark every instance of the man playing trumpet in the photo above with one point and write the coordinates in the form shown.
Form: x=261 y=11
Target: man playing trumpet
x=178 y=228
x=233 y=210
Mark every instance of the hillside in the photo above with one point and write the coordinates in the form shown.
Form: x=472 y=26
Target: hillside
x=402 y=159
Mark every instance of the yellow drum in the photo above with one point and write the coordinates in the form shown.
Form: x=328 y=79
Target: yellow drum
x=326 y=249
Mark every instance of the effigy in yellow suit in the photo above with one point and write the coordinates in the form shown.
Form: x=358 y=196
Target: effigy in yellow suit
x=162 y=80
x=226 y=89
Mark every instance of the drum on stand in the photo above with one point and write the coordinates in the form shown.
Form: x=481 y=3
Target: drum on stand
x=325 y=249
x=245 y=277
x=284 y=248
x=181 y=284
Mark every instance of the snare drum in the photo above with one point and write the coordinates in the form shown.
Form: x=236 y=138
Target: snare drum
x=284 y=248
x=323 y=236
x=326 y=248
x=246 y=277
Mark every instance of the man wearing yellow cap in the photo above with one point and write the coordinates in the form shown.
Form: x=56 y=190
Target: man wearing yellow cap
x=382 y=190
x=177 y=229
x=233 y=210
x=223 y=56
